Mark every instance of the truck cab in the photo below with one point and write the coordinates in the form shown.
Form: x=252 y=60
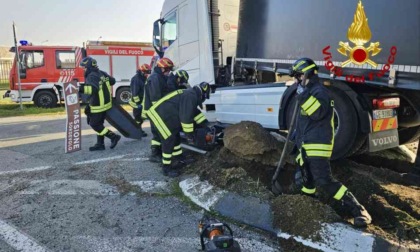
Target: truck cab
x=250 y=46
x=43 y=70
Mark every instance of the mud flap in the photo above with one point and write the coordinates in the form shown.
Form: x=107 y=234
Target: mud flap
x=123 y=122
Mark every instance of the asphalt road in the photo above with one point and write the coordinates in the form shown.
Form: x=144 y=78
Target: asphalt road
x=112 y=200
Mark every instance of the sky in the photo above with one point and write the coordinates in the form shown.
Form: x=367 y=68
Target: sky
x=72 y=22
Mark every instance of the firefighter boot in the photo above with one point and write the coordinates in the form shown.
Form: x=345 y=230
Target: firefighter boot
x=143 y=133
x=361 y=216
x=114 y=138
x=99 y=144
x=169 y=171
x=156 y=155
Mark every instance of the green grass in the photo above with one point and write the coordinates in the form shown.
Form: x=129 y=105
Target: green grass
x=9 y=108
x=4 y=85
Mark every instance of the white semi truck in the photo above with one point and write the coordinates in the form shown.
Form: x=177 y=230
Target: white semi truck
x=367 y=59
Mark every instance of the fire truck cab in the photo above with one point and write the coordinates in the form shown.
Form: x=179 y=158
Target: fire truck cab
x=44 y=69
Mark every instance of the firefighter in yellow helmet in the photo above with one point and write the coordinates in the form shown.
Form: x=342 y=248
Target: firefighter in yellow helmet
x=314 y=140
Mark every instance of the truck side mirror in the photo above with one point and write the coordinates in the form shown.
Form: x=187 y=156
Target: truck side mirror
x=156 y=37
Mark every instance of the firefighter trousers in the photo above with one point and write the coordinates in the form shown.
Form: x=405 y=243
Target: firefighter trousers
x=137 y=115
x=171 y=148
x=96 y=121
x=316 y=173
x=156 y=141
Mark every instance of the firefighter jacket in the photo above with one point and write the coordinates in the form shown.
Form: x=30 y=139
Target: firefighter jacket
x=177 y=111
x=137 y=89
x=315 y=121
x=98 y=87
x=154 y=88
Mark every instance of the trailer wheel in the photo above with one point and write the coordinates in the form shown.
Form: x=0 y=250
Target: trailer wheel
x=45 y=99
x=345 y=123
x=409 y=135
x=123 y=95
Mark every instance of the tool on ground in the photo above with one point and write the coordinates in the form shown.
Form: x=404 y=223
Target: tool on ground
x=204 y=139
x=215 y=238
x=276 y=188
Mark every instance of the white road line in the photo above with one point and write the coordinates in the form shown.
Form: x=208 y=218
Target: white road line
x=69 y=187
x=134 y=159
x=19 y=240
x=40 y=138
x=152 y=186
x=88 y=187
x=41 y=168
x=155 y=243
x=99 y=160
x=201 y=192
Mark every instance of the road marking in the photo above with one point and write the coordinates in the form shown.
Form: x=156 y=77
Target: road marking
x=99 y=160
x=41 y=168
x=134 y=159
x=39 y=138
x=19 y=240
x=155 y=243
x=152 y=186
x=88 y=187
x=201 y=192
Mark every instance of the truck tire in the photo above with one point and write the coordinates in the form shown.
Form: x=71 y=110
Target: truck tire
x=409 y=135
x=345 y=124
x=45 y=99
x=123 y=95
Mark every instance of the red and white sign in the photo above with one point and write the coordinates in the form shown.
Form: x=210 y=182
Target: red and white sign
x=121 y=51
x=73 y=123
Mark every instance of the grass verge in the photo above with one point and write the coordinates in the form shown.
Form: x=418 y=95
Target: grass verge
x=4 y=85
x=9 y=108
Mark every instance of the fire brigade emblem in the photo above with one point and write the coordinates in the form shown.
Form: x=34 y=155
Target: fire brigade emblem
x=359 y=33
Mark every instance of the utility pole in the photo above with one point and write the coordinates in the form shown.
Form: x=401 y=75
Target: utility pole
x=17 y=66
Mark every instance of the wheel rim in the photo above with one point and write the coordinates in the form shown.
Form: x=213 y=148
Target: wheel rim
x=45 y=100
x=125 y=96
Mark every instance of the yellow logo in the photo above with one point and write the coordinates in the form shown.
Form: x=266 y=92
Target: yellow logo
x=359 y=33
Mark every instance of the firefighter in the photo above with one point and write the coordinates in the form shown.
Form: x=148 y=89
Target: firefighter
x=98 y=87
x=179 y=80
x=314 y=140
x=154 y=90
x=174 y=113
x=137 y=92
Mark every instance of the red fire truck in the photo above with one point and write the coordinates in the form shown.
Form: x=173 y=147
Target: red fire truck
x=44 y=69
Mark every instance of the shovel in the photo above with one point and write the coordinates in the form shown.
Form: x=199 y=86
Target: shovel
x=276 y=188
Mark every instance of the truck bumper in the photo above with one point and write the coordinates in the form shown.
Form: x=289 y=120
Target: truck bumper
x=7 y=94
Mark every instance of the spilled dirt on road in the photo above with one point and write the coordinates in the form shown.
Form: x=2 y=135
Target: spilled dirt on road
x=392 y=196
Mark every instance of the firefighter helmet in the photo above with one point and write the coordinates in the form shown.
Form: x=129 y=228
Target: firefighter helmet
x=205 y=91
x=304 y=66
x=183 y=76
x=89 y=63
x=145 y=68
x=165 y=63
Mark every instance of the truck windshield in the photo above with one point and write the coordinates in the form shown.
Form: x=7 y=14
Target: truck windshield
x=32 y=59
x=169 y=30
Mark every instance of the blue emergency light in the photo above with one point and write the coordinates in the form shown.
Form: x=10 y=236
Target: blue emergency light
x=23 y=42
